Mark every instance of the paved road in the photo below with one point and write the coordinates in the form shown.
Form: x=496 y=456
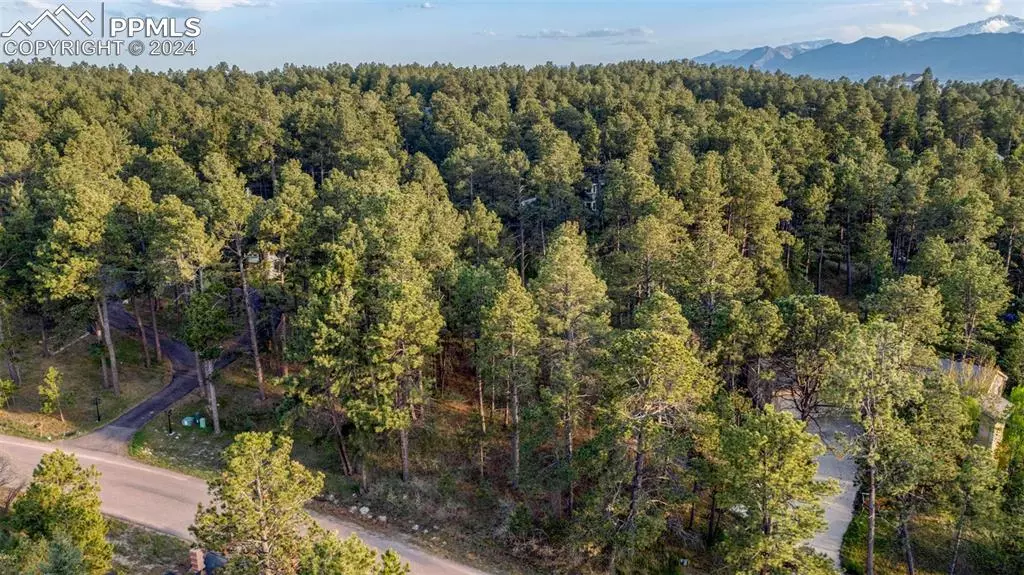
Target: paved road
x=115 y=436
x=166 y=501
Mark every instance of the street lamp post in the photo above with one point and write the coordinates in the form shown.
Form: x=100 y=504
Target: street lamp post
x=96 y=402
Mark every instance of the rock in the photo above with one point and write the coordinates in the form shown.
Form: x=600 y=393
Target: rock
x=415 y=527
x=352 y=510
x=382 y=518
x=364 y=510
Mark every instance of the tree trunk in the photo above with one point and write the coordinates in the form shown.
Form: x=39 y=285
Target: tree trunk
x=142 y=329
x=869 y=564
x=693 y=506
x=103 y=371
x=251 y=321
x=957 y=539
x=568 y=444
x=340 y=441
x=284 y=344
x=101 y=307
x=177 y=304
x=156 y=331
x=199 y=374
x=45 y=336
x=849 y=268
x=515 y=435
x=1009 y=249
x=480 y=404
x=211 y=394
x=710 y=538
x=821 y=263
x=403 y=438
x=908 y=548
x=637 y=484
x=9 y=358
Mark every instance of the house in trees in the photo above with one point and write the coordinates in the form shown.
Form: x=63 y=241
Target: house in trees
x=987 y=383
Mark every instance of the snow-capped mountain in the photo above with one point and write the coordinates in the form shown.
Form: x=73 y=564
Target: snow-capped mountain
x=763 y=57
x=1002 y=24
x=992 y=48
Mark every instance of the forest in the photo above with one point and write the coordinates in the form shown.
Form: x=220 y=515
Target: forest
x=606 y=305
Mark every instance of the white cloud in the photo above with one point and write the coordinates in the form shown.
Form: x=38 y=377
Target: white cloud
x=206 y=5
x=993 y=6
x=914 y=7
x=426 y=6
x=36 y=4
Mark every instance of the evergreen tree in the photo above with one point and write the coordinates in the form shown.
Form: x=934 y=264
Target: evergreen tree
x=770 y=468
x=257 y=516
x=875 y=381
x=573 y=318
x=63 y=501
x=507 y=351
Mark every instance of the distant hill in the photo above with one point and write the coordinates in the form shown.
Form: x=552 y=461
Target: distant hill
x=991 y=48
x=972 y=58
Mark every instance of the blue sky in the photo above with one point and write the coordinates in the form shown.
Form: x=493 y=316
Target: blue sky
x=264 y=34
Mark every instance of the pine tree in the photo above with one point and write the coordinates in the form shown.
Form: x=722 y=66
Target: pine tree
x=816 y=331
x=507 y=351
x=650 y=400
x=573 y=318
x=257 y=516
x=770 y=474
x=714 y=270
x=63 y=501
x=875 y=380
x=50 y=392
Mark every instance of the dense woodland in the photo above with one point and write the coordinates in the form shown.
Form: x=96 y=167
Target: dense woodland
x=620 y=272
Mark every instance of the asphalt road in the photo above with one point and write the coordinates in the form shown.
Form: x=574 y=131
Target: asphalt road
x=114 y=436
x=166 y=501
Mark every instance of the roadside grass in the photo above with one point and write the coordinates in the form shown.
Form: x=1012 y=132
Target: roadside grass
x=83 y=383
x=141 y=551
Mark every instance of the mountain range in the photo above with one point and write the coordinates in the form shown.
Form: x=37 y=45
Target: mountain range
x=992 y=48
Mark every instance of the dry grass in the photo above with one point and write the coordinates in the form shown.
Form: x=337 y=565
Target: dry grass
x=141 y=551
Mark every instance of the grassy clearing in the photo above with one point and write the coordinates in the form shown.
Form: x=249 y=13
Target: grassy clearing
x=83 y=383
x=141 y=551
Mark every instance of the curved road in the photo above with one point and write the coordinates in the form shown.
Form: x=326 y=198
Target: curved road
x=166 y=501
